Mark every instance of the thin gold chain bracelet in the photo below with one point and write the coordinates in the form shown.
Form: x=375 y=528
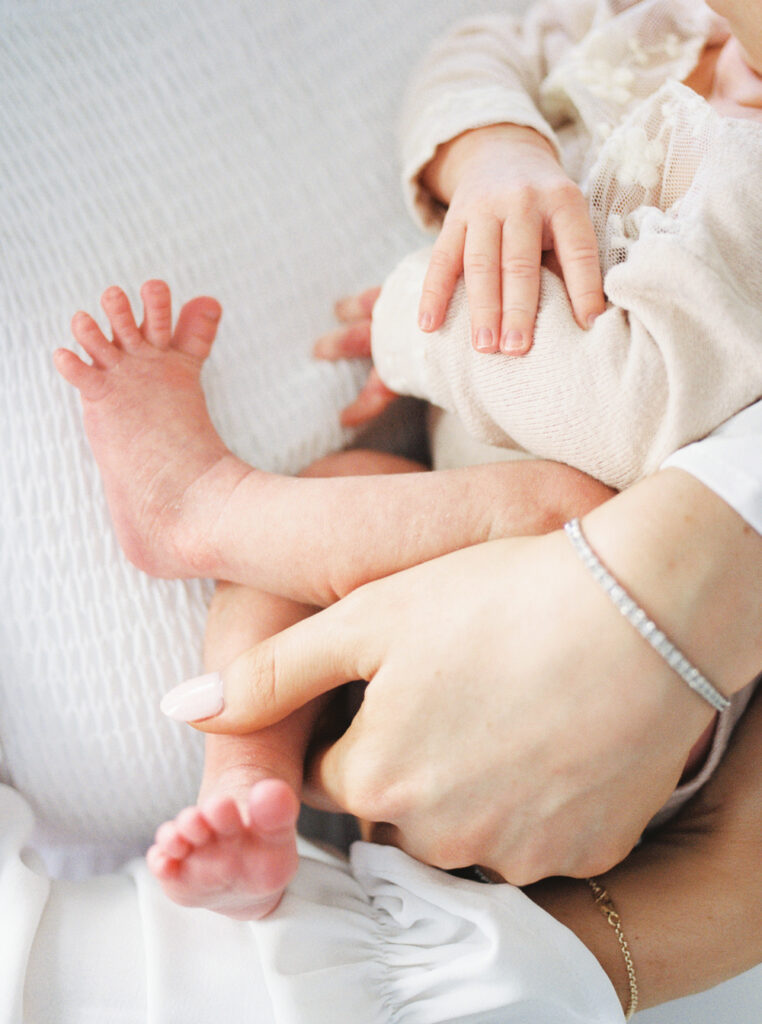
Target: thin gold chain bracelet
x=605 y=905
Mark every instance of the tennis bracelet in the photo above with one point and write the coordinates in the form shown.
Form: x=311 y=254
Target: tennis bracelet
x=638 y=618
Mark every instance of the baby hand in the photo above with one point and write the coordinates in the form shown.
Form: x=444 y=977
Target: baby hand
x=352 y=341
x=509 y=199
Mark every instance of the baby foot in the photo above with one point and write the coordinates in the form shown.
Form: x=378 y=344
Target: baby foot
x=212 y=856
x=148 y=425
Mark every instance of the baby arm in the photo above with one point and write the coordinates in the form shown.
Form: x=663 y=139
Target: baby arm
x=480 y=159
x=673 y=356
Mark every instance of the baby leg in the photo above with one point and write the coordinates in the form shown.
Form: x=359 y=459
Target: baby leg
x=235 y=851
x=183 y=505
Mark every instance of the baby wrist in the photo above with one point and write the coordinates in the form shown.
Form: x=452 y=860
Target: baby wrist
x=451 y=160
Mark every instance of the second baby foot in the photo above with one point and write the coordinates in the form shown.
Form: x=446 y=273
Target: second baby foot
x=147 y=422
x=234 y=862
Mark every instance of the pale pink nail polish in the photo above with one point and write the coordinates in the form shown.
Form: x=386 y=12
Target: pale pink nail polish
x=195 y=699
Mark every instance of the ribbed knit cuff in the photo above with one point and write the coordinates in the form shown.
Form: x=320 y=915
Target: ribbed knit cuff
x=398 y=344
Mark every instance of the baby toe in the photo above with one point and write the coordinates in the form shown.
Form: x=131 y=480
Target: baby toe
x=157 y=313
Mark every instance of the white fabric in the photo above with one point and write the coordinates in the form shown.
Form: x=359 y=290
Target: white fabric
x=244 y=151
x=677 y=214
x=241 y=150
x=378 y=939
x=729 y=461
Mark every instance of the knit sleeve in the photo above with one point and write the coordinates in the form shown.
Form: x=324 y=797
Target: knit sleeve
x=675 y=354
x=486 y=70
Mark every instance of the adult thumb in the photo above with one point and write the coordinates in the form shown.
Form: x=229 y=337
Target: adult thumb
x=270 y=680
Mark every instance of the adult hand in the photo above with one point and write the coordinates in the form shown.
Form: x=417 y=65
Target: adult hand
x=689 y=896
x=492 y=730
x=513 y=718
x=508 y=199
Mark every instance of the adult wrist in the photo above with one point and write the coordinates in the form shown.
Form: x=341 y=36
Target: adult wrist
x=442 y=174
x=694 y=564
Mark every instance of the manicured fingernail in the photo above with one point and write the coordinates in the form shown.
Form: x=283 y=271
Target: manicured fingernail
x=195 y=699
x=513 y=341
x=425 y=321
x=484 y=339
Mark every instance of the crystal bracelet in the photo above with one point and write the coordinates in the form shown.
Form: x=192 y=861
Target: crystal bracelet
x=638 y=618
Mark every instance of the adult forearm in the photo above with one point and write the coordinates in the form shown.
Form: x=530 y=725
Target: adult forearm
x=695 y=565
x=689 y=897
x=689 y=923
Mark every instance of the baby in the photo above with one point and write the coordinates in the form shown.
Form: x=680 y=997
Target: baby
x=183 y=505
x=625 y=393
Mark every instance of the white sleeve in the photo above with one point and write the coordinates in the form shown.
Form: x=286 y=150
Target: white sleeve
x=387 y=937
x=486 y=70
x=113 y=948
x=729 y=462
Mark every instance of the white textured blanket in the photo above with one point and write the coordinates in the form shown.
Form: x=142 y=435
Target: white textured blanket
x=237 y=148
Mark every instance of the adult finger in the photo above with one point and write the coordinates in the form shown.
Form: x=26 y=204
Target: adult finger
x=481 y=270
x=346 y=775
x=270 y=680
x=521 y=258
x=445 y=267
x=374 y=397
x=576 y=246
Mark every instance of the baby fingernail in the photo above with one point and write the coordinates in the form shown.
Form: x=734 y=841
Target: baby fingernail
x=484 y=339
x=513 y=341
x=591 y=319
x=425 y=321
x=195 y=699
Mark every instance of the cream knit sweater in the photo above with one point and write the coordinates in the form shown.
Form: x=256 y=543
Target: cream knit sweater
x=678 y=216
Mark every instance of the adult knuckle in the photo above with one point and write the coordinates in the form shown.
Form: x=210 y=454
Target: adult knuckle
x=370 y=794
x=449 y=852
x=525 y=870
x=606 y=855
x=529 y=861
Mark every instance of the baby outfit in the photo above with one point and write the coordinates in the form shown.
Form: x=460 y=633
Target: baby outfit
x=677 y=212
x=678 y=217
